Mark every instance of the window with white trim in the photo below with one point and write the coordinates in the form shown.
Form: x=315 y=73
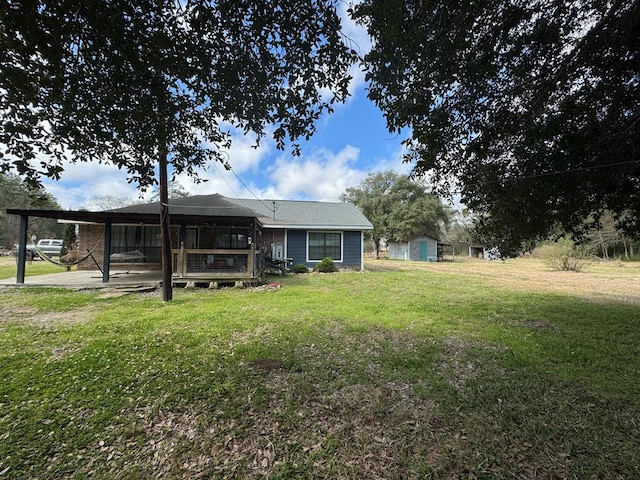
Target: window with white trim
x=324 y=244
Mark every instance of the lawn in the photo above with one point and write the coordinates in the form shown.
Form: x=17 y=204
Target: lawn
x=8 y=268
x=455 y=370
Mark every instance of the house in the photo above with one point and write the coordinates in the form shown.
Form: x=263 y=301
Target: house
x=419 y=248
x=215 y=237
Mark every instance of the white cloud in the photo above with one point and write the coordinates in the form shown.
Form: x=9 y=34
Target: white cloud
x=243 y=155
x=323 y=175
x=393 y=162
x=244 y=159
x=81 y=181
x=319 y=175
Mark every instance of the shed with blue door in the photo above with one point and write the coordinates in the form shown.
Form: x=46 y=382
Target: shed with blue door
x=421 y=248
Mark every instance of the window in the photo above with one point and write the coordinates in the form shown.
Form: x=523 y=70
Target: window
x=231 y=238
x=126 y=238
x=324 y=244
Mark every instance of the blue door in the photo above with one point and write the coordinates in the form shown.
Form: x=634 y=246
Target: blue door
x=423 y=251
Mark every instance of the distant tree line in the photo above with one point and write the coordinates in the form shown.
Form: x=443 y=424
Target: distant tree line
x=16 y=193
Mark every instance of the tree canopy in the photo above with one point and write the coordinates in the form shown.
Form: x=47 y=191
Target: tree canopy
x=398 y=207
x=119 y=81
x=529 y=110
x=153 y=85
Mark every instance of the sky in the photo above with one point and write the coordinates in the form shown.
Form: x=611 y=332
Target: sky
x=348 y=145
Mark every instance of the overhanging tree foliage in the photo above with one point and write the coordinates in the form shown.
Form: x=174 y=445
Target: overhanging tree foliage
x=531 y=110
x=398 y=208
x=150 y=84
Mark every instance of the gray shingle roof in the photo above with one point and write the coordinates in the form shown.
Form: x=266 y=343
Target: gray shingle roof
x=201 y=205
x=299 y=213
x=288 y=213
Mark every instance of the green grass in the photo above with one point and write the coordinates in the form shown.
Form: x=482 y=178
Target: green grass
x=392 y=374
x=8 y=268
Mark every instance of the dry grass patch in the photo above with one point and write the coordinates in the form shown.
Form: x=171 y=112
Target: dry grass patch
x=32 y=316
x=602 y=282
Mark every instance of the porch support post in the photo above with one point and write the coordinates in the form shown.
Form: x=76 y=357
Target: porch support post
x=22 y=248
x=183 y=235
x=107 y=251
x=256 y=251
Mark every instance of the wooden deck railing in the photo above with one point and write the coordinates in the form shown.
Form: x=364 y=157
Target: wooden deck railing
x=214 y=263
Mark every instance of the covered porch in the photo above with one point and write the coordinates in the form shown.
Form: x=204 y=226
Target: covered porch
x=211 y=242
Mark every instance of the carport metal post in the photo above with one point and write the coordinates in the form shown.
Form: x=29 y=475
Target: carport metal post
x=107 y=251
x=22 y=248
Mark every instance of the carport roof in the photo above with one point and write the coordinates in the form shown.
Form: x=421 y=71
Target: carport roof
x=203 y=208
x=199 y=208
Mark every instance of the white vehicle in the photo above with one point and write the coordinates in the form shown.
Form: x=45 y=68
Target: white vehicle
x=50 y=246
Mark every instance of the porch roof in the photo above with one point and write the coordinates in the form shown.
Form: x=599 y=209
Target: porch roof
x=196 y=209
x=210 y=208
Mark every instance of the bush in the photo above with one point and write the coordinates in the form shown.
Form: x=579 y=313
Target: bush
x=326 y=266
x=564 y=255
x=300 y=268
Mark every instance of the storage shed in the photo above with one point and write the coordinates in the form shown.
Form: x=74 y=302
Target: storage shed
x=420 y=248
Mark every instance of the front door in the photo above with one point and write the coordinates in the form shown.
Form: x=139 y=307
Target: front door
x=423 y=251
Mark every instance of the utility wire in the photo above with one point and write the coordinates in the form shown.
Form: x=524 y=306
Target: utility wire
x=224 y=179
x=574 y=170
x=555 y=172
x=250 y=191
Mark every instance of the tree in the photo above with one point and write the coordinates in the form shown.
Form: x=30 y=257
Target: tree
x=15 y=193
x=70 y=239
x=174 y=190
x=530 y=109
x=398 y=208
x=606 y=240
x=109 y=202
x=155 y=84
x=459 y=233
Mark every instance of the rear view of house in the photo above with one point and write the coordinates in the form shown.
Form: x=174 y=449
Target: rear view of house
x=216 y=238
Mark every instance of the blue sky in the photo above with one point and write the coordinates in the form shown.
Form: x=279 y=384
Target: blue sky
x=348 y=145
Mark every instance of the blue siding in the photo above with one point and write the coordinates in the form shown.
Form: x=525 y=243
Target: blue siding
x=297 y=246
x=351 y=248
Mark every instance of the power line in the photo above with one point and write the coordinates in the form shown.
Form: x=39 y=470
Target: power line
x=555 y=172
x=224 y=179
x=250 y=191
x=576 y=170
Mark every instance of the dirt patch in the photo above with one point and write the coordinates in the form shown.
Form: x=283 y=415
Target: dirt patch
x=267 y=365
x=27 y=315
